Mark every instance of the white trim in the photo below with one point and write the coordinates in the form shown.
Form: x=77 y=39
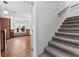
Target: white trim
x=34 y=31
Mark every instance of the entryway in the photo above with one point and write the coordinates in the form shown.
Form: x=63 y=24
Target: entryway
x=16 y=29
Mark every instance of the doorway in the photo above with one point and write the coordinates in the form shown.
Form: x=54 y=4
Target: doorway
x=18 y=39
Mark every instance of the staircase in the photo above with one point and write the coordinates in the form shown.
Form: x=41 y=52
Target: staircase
x=65 y=43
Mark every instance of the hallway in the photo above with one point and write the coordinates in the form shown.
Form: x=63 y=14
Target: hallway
x=18 y=47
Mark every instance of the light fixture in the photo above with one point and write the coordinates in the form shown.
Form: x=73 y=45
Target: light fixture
x=5 y=12
x=5 y=8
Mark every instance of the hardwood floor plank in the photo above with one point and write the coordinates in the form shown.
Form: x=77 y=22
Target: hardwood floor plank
x=18 y=47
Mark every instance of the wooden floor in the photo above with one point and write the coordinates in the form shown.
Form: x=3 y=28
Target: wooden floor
x=0 y=48
x=18 y=47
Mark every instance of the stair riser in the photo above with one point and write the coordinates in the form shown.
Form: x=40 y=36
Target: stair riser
x=72 y=19
x=73 y=26
x=67 y=36
x=69 y=31
x=71 y=22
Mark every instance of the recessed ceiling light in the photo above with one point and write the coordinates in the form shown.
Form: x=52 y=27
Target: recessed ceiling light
x=5 y=12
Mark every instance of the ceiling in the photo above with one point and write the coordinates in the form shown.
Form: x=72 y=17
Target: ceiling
x=18 y=8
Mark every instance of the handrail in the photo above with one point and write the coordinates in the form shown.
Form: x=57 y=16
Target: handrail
x=74 y=5
x=63 y=10
x=67 y=7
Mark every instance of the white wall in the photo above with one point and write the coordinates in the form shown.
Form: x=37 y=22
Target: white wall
x=62 y=9
x=60 y=6
x=74 y=11
x=47 y=22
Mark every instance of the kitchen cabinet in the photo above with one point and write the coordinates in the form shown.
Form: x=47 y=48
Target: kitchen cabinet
x=0 y=38
x=4 y=25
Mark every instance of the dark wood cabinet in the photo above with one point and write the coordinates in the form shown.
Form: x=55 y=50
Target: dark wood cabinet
x=0 y=38
x=28 y=32
x=4 y=24
x=12 y=33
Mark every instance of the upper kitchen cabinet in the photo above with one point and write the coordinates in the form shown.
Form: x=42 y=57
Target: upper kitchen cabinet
x=5 y=24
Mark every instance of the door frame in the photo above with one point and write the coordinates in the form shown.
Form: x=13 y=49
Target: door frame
x=34 y=30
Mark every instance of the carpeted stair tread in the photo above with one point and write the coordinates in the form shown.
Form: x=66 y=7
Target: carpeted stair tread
x=68 y=35
x=45 y=55
x=56 y=52
x=72 y=34
x=70 y=26
x=71 y=30
x=72 y=18
x=71 y=22
x=73 y=41
x=65 y=47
